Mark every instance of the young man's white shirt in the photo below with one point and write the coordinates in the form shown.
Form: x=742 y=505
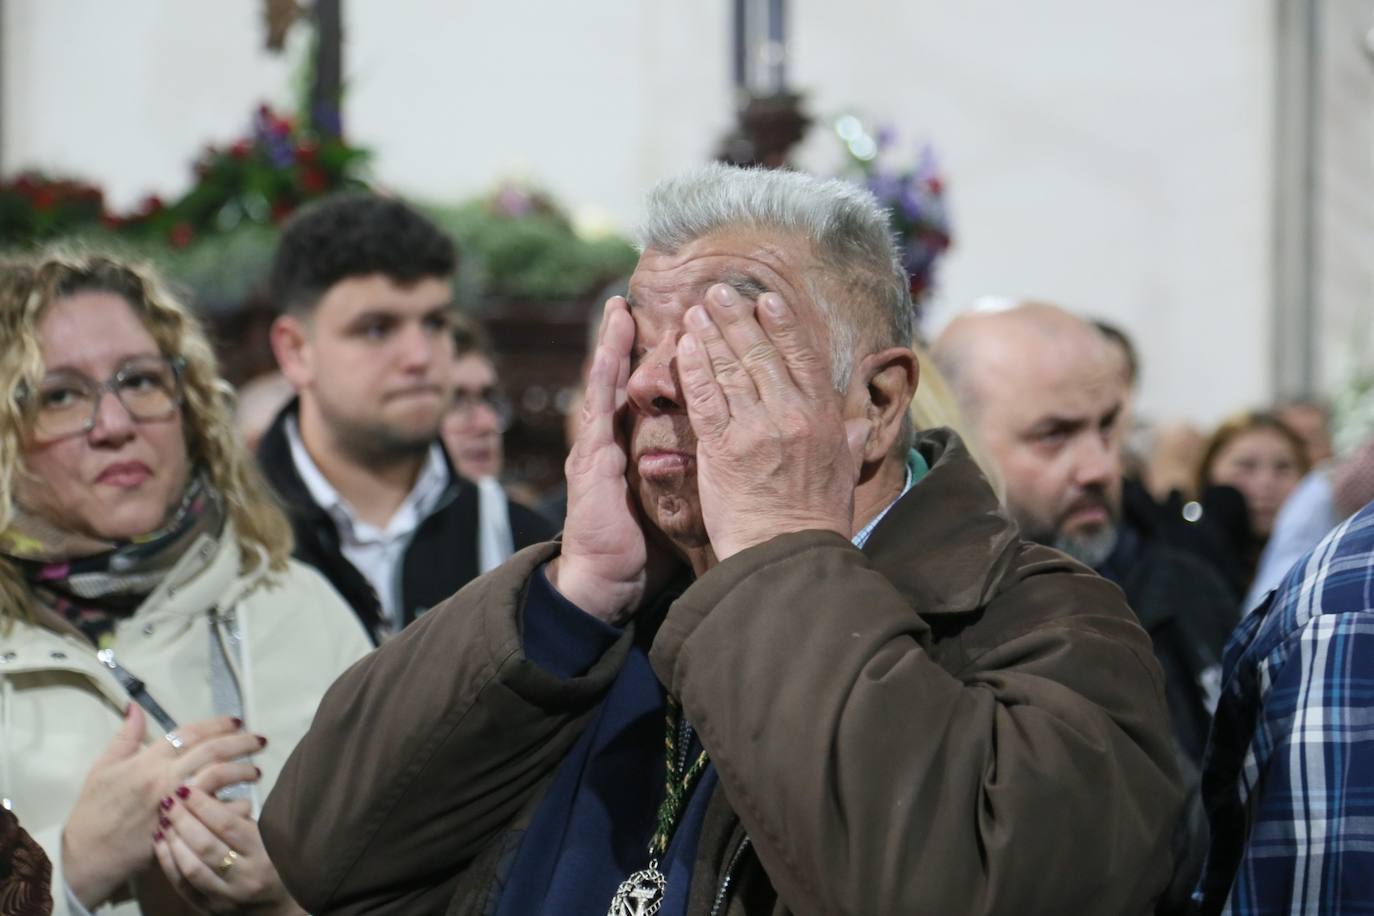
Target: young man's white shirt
x=378 y=553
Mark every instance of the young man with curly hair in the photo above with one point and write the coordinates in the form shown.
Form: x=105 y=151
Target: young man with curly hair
x=363 y=284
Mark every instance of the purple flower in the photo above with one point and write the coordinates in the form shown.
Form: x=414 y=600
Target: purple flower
x=513 y=201
x=327 y=120
x=914 y=201
x=887 y=188
x=280 y=151
x=927 y=167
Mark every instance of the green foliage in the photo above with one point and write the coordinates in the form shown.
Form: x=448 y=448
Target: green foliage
x=217 y=239
x=35 y=207
x=532 y=254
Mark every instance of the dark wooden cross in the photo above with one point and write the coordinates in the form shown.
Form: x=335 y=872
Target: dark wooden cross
x=325 y=113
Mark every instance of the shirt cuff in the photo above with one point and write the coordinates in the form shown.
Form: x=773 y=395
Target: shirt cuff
x=559 y=636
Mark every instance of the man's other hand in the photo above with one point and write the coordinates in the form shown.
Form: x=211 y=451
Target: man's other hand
x=603 y=565
x=774 y=452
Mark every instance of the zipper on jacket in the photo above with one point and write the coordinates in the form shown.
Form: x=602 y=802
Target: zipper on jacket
x=136 y=690
x=724 y=890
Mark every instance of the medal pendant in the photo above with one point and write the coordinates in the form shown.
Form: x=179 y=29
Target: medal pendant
x=641 y=894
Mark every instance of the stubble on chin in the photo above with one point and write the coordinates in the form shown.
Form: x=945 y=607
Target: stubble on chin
x=1091 y=547
x=380 y=446
x=674 y=513
x=375 y=442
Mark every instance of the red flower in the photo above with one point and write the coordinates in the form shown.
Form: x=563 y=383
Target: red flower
x=241 y=149
x=313 y=180
x=181 y=234
x=44 y=198
x=110 y=221
x=150 y=205
x=306 y=151
x=281 y=209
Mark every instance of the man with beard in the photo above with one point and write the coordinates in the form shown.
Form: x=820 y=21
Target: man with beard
x=1042 y=390
x=787 y=657
x=363 y=284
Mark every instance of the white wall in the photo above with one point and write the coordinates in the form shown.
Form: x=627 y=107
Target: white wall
x=128 y=93
x=1113 y=157
x=595 y=99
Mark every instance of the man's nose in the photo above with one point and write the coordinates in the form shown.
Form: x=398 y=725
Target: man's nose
x=1098 y=459
x=485 y=418
x=419 y=348
x=1271 y=482
x=653 y=386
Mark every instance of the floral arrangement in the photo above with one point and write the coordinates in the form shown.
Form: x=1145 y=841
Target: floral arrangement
x=257 y=179
x=913 y=193
x=1352 y=398
x=518 y=244
x=217 y=238
x=35 y=206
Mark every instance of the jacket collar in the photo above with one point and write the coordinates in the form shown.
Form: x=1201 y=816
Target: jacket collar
x=274 y=457
x=946 y=544
x=279 y=467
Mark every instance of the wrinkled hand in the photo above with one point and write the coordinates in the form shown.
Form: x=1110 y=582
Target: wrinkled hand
x=606 y=558
x=774 y=453
x=213 y=855
x=108 y=835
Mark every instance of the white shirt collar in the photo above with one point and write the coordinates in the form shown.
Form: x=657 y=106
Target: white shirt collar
x=419 y=502
x=860 y=539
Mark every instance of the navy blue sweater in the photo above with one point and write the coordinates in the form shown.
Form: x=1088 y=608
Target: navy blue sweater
x=591 y=830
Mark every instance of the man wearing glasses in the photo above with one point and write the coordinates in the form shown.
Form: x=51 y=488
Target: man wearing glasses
x=364 y=336
x=472 y=431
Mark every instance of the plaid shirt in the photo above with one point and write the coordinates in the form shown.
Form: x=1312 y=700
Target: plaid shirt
x=1288 y=778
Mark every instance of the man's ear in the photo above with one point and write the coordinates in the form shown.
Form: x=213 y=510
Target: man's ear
x=889 y=378
x=292 y=347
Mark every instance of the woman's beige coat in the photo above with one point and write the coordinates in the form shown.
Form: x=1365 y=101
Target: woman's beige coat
x=59 y=707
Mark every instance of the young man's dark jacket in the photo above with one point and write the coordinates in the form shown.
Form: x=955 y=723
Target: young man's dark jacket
x=948 y=721
x=440 y=559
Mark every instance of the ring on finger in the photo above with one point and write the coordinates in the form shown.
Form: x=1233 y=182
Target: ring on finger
x=175 y=741
x=226 y=863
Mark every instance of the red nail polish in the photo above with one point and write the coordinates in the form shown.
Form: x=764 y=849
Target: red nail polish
x=166 y=803
x=163 y=823
x=157 y=836
x=238 y=723
x=258 y=770
x=183 y=792
x=262 y=742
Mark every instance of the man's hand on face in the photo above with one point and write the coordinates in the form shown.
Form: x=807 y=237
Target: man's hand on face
x=604 y=567
x=774 y=452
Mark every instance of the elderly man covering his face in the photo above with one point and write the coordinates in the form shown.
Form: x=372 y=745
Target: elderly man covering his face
x=787 y=657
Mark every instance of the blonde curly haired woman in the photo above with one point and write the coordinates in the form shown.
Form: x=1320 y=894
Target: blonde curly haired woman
x=160 y=655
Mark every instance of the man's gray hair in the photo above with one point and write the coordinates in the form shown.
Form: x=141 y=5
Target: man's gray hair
x=863 y=293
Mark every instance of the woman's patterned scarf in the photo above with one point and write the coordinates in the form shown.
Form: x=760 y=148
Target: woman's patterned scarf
x=93 y=583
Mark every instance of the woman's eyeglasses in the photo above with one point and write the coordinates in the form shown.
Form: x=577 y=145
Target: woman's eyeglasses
x=65 y=403
x=466 y=401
